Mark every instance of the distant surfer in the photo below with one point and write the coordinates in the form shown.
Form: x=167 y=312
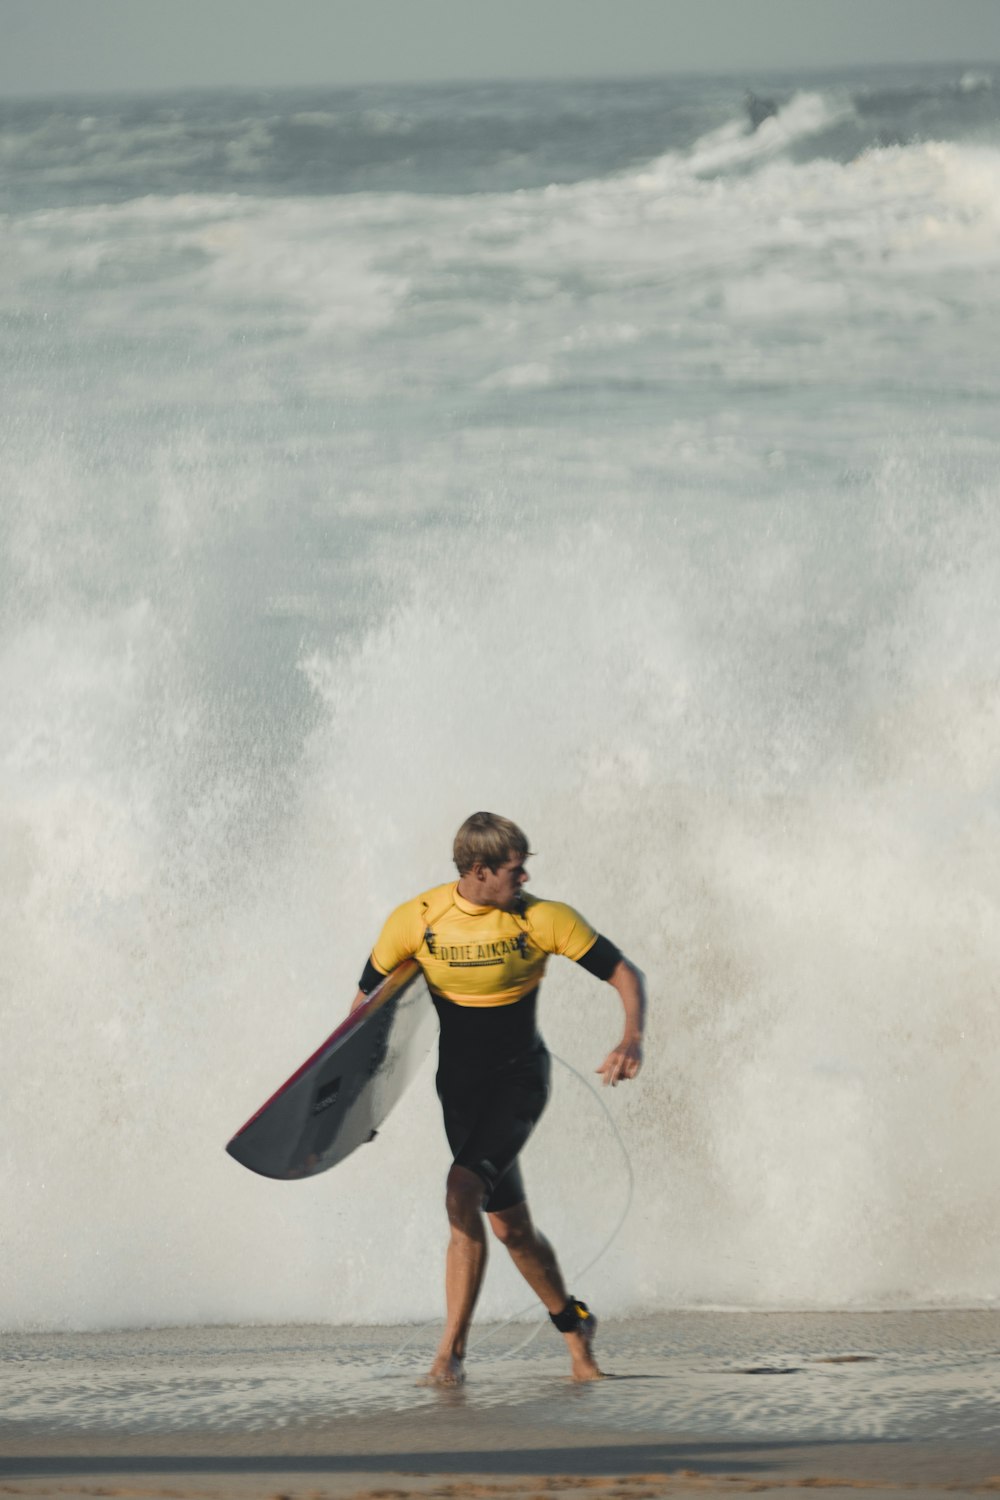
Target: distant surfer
x=758 y=110
x=483 y=943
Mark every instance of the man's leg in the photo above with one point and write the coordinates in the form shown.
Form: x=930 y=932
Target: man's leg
x=464 y=1267
x=536 y=1260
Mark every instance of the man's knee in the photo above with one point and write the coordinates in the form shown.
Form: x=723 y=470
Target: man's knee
x=464 y=1194
x=513 y=1227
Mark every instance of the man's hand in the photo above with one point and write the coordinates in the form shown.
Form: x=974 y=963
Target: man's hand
x=626 y=1059
x=622 y=1063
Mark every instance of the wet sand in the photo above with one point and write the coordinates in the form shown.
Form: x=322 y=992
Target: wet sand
x=707 y=1404
x=455 y=1458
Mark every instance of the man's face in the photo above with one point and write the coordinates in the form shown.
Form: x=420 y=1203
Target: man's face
x=502 y=887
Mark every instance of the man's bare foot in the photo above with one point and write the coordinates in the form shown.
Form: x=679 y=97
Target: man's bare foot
x=447 y=1370
x=585 y=1366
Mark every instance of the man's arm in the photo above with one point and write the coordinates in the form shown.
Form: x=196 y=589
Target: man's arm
x=400 y=939
x=625 y=1060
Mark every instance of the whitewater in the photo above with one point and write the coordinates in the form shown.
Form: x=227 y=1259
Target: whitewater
x=568 y=450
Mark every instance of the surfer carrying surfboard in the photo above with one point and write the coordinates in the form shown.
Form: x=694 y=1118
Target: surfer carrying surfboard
x=483 y=943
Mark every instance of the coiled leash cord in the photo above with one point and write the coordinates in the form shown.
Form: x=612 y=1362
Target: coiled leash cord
x=577 y=1275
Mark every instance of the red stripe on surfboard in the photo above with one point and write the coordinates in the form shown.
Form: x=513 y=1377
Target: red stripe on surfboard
x=391 y=985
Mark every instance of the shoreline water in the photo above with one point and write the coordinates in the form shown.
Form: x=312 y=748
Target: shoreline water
x=900 y=1401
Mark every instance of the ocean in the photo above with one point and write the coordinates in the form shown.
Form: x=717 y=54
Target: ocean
x=571 y=450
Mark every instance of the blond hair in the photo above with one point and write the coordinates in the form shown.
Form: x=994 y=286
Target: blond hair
x=487 y=839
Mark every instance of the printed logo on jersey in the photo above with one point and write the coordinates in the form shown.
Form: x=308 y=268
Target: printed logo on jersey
x=479 y=955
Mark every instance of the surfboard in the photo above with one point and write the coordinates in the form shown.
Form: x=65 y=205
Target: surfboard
x=341 y=1095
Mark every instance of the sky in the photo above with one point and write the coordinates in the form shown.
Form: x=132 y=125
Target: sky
x=52 y=46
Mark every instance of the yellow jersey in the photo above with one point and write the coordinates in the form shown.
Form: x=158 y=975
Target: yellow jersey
x=479 y=955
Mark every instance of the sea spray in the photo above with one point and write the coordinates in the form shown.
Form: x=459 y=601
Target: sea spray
x=655 y=509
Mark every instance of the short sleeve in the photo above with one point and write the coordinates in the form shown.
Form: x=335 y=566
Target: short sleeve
x=399 y=939
x=602 y=959
x=560 y=929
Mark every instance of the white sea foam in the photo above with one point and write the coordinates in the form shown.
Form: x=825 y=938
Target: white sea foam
x=656 y=511
x=733 y=145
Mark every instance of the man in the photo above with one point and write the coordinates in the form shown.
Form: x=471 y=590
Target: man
x=483 y=943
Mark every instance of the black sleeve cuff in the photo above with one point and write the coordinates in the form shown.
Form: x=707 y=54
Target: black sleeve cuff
x=602 y=959
x=371 y=977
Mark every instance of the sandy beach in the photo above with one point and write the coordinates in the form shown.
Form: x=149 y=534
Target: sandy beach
x=705 y=1404
x=453 y=1456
